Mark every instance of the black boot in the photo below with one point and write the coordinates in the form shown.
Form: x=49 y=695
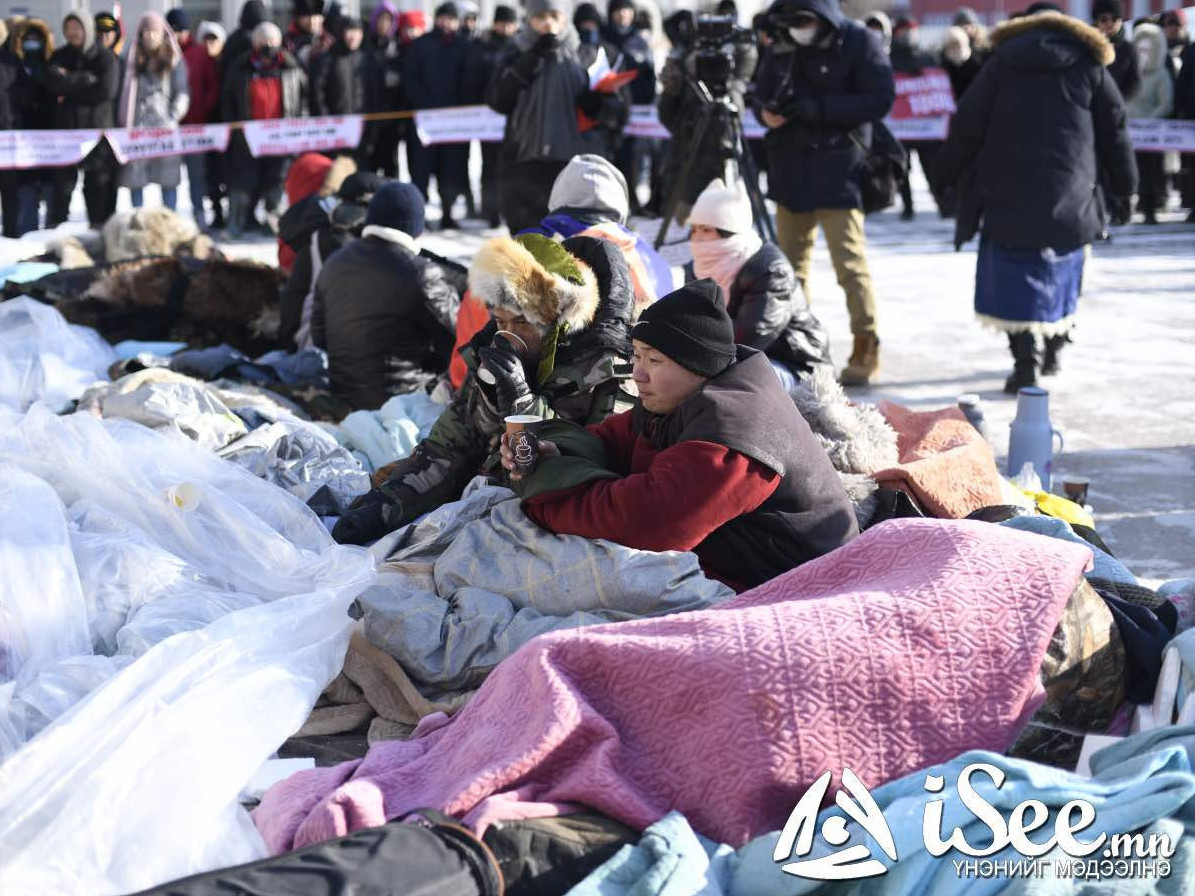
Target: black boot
x=1024 y=355
x=1050 y=364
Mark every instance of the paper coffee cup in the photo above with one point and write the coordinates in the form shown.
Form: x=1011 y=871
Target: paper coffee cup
x=502 y=339
x=1075 y=488
x=522 y=431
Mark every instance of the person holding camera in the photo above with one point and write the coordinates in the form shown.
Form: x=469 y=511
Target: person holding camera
x=698 y=69
x=819 y=87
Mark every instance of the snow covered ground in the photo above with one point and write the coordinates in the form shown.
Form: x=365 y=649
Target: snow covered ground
x=1125 y=400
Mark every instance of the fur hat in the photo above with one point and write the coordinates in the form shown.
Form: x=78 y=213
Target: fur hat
x=722 y=207
x=537 y=278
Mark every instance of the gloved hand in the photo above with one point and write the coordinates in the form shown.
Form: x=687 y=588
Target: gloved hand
x=546 y=45
x=591 y=103
x=510 y=381
x=804 y=108
x=371 y=516
x=527 y=66
x=1122 y=210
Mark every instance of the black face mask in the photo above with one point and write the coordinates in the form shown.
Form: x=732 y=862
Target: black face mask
x=589 y=36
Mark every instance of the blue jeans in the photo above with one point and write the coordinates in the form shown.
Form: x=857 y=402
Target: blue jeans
x=197 y=184
x=169 y=197
x=28 y=205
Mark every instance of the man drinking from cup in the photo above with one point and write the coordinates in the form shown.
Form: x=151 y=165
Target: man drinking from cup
x=557 y=346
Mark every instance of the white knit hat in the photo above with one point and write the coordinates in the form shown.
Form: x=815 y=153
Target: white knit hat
x=723 y=207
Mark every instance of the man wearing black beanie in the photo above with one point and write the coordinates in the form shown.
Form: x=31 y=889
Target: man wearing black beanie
x=715 y=458
x=1108 y=17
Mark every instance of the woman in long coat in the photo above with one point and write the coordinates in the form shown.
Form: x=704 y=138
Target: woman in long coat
x=155 y=94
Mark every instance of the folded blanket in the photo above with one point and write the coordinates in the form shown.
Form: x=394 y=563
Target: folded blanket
x=944 y=462
x=917 y=641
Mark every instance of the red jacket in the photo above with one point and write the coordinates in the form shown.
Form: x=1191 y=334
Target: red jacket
x=669 y=500
x=204 y=81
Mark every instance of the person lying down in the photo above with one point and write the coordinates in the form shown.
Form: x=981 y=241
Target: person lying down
x=713 y=458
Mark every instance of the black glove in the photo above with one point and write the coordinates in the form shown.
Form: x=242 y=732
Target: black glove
x=527 y=65
x=371 y=516
x=1122 y=210
x=804 y=108
x=591 y=103
x=546 y=45
x=510 y=381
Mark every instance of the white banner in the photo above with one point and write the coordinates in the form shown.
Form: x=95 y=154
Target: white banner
x=293 y=136
x=38 y=149
x=459 y=125
x=1162 y=135
x=932 y=127
x=132 y=144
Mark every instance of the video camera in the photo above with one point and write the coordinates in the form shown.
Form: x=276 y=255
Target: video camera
x=713 y=41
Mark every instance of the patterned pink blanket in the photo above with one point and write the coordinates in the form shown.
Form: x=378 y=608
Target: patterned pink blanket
x=917 y=641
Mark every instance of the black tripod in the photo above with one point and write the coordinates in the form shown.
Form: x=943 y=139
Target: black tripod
x=742 y=159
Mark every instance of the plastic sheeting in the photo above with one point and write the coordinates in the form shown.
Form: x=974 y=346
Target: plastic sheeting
x=43 y=358
x=153 y=652
x=305 y=460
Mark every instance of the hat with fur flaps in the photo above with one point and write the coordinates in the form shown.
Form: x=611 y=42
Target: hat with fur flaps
x=537 y=278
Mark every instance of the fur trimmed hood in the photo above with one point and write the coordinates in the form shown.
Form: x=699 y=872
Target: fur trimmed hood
x=506 y=274
x=1095 y=42
x=22 y=29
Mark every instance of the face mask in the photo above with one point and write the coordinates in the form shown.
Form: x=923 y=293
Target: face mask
x=590 y=36
x=803 y=37
x=32 y=48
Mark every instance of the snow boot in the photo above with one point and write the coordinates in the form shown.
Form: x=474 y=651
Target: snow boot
x=1050 y=363
x=864 y=363
x=1024 y=355
x=238 y=212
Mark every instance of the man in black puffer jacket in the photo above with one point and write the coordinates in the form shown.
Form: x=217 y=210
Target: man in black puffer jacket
x=819 y=88
x=338 y=77
x=386 y=317
x=84 y=78
x=314 y=228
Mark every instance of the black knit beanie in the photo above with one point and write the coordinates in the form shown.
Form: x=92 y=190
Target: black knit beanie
x=1112 y=8
x=399 y=206
x=505 y=14
x=691 y=327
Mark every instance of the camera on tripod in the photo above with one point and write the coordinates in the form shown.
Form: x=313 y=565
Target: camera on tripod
x=712 y=41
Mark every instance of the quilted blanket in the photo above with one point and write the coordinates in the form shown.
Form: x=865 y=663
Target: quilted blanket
x=915 y=642
x=944 y=462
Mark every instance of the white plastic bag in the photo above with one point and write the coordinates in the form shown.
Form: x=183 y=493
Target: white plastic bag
x=228 y=617
x=43 y=358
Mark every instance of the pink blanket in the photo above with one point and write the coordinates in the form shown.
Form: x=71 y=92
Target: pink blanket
x=944 y=462
x=917 y=641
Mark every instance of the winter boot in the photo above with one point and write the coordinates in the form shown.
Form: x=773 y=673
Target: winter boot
x=1024 y=355
x=238 y=212
x=864 y=363
x=272 y=200
x=217 y=215
x=1050 y=363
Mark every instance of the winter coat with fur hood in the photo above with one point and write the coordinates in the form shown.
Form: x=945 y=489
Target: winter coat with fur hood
x=385 y=316
x=828 y=93
x=581 y=377
x=770 y=313
x=88 y=83
x=1154 y=97
x=1031 y=136
x=28 y=103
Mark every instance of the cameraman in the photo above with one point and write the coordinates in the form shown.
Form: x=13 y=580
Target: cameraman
x=725 y=69
x=819 y=84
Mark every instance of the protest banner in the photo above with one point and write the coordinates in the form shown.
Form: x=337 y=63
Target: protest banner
x=45 y=149
x=134 y=144
x=459 y=124
x=293 y=136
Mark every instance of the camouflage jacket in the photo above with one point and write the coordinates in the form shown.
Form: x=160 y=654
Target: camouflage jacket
x=582 y=381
